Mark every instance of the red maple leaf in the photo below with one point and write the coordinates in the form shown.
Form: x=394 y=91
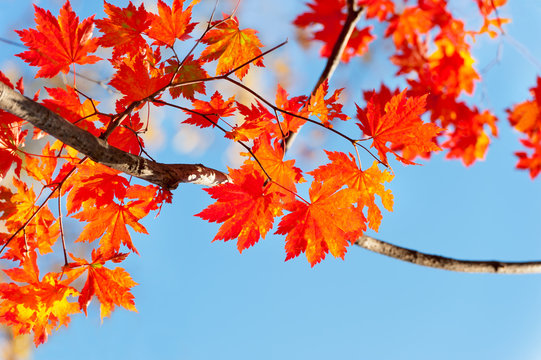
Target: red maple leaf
x=486 y=7
x=55 y=44
x=400 y=125
x=329 y=16
x=232 y=47
x=380 y=9
x=123 y=29
x=94 y=185
x=207 y=113
x=138 y=79
x=66 y=103
x=530 y=162
x=451 y=68
x=126 y=136
x=245 y=207
x=295 y=105
x=469 y=139
x=12 y=137
x=324 y=225
x=171 y=23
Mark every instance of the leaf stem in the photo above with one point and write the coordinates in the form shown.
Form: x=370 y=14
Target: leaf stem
x=61 y=224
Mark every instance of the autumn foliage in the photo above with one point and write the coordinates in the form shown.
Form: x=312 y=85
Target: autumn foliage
x=432 y=50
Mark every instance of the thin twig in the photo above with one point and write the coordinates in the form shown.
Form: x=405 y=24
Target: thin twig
x=255 y=58
x=141 y=147
x=219 y=127
x=40 y=207
x=11 y=42
x=60 y=223
x=274 y=107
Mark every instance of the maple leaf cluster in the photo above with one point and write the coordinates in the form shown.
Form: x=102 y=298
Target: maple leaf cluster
x=526 y=118
x=432 y=51
x=343 y=194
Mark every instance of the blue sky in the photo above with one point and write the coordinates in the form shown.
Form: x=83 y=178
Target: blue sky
x=203 y=300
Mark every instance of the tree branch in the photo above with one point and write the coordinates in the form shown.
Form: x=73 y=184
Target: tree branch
x=170 y=175
x=167 y=176
x=445 y=263
x=354 y=14
x=338 y=49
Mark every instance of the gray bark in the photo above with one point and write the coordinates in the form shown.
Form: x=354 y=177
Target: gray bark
x=167 y=176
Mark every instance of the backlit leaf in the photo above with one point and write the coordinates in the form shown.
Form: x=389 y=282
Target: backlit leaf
x=232 y=47
x=55 y=44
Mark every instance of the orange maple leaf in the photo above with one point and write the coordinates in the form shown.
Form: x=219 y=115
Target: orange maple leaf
x=149 y=197
x=212 y=110
x=321 y=226
x=247 y=131
x=526 y=116
x=42 y=167
x=111 y=221
x=257 y=120
x=232 y=47
x=123 y=29
x=171 y=23
x=409 y=25
x=40 y=233
x=489 y=23
x=326 y=109
x=111 y=287
x=55 y=44
x=344 y=171
x=245 y=207
x=271 y=157
x=40 y=306
x=189 y=71
x=400 y=125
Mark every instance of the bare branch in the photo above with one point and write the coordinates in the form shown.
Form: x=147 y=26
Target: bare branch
x=167 y=176
x=446 y=263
